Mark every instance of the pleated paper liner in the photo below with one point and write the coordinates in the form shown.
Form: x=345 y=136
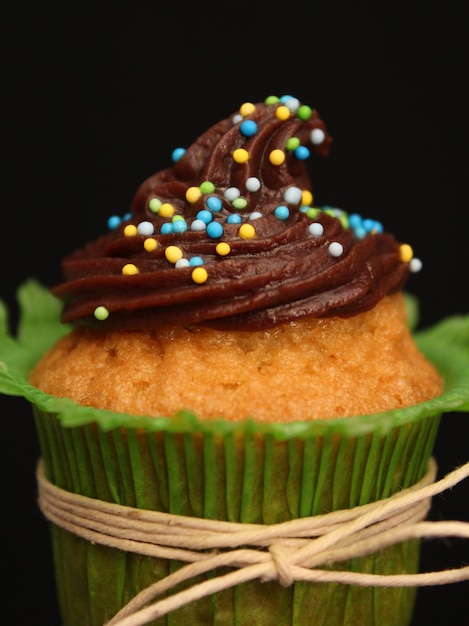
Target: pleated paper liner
x=250 y=477
x=245 y=472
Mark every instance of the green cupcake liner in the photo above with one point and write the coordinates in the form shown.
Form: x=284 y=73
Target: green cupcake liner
x=248 y=472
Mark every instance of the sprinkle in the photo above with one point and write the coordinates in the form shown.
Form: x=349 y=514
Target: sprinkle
x=301 y=153
x=306 y=197
x=231 y=193
x=313 y=212
x=198 y=225
x=214 y=203
x=293 y=195
x=113 y=222
x=236 y=119
x=415 y=265
x=101 y=313
x=193 y=194
x=182 y=263
x=292 y=103
x=247 y=231
x=255 y=215
x=277 y=157
x=292 y=143
x=154 y=205
x=223 y=248
x=234 y=218
x=214 y=230
x=173 y=254
x=199 y=275
x=406 y=252
x=282 y=112
x=336 y=249
x=253 y=184
x=166 y=210
x=195 y=261
x=129 y=269
x=177 y=153
x=240 y=155
x=145 y=228
x=130 y=230
x=150 y=244
x=304 y=112
x=205 y=216
x=316 y=229
x=240 y=203
x=247 y=108
x=317 y=136
x=248 y=128
x=179 y=225
x=166 y=229
x=207 y=187
x=271 y=100
x=282 y=212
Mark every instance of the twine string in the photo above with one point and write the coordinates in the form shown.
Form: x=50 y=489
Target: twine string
x=296 y=550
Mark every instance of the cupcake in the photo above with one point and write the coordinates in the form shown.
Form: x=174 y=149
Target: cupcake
x=229 y=352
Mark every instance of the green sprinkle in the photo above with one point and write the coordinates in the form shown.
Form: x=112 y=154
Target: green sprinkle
x=313 y=212
x=271 y=100
x=304 y=112
x=154 y=205
x=240 y=203
x=207 y=187
x=101 y=313
x=292 y=143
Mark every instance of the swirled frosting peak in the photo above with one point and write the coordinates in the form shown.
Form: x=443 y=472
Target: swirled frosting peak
x=230 y=236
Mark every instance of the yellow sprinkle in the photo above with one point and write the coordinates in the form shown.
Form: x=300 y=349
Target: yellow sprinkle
x=173 y=254
x=277 y=157
x=193 y=194
x=199 y=275
x=240 y=155
x=150 y=244
x=247 y=108
x=130 y=230
x=406 y=252
x=306 y=197
x=166 y=210
x=223 y=248
x=129 y=269
x=247 y=231
x=282 y=112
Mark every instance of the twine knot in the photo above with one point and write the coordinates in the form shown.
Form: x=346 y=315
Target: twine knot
x=283 y=568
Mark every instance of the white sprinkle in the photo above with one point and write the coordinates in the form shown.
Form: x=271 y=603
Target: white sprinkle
x=198 y=225
x=182 y=263
x=145 y=228
x=255 y=215
x=336 y=249
x=415 y=265
x=237 y=118
x=292 y=104
x=232 y=193
x=316 y=229
x=253 y=184
x=293 y=195
x=317 y=136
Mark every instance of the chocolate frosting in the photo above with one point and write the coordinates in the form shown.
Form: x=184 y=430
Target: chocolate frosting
x=230 y=237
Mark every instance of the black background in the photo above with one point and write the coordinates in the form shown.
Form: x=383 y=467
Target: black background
x=94 y=101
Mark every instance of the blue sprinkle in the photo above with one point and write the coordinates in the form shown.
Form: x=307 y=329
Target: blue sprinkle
x=354 y=220
x=234 y=218
x=177 y=154
x=248 y=128
x=204 y=215
x=213 y=203
x=113 y=222
x=301 y=153
x=282 y=212
x=166 y=228
x=196 y=260
x=179 y=226
x=214 y=230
